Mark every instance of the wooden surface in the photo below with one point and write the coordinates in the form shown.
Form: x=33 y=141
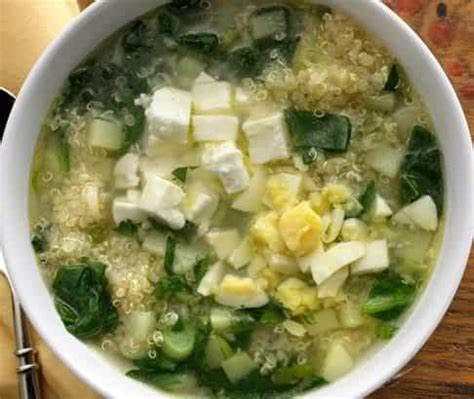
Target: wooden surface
x=444 y=368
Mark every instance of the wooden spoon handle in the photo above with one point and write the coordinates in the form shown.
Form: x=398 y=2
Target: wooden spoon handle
x=82 y=4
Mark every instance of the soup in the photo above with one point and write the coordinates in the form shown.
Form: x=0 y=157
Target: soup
x=237 y=198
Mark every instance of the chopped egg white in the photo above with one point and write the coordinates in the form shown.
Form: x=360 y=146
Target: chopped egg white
x=240 y=292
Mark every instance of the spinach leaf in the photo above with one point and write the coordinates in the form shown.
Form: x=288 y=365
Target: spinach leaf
x=184 y=5
x=200 y=269
x=137 y=36
x=83 y=300
x=272 y=313
x=180 y=174
x=367 y=197
x=170 y=382
x=388 y=297
x=128 y=228
x=171 y=286
x=167 y=24
x=204 y=43
x=159 y=363
x=244 y=62
x=421 y=172
x=393 y=80
x=185 y=234
x=385 y=331
x=329 y=132
x=170 y=255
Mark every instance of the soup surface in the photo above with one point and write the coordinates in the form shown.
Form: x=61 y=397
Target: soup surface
x=238 y=198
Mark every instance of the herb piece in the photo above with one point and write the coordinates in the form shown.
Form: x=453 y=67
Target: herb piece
x=329 y=132
x=200 y=269
x=38 y=240
x=170 y=382
x=97 y=232
x=292 y=374
x=168 y=24
x=204 y=43
x=230 y=36
x=169 y=255
x=385 y=331
x=128 y=228
x=272 y=313
x=83 y=300
x=180 y=174
x=393 y=80
x=171 y=286
x=421 y=172
x=388 y=297
x=367 y=197
x=309 y=317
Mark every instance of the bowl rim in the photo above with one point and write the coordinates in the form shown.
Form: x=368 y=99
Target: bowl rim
x=14 y=247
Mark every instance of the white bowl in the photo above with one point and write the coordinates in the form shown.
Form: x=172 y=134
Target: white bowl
x=105 y=17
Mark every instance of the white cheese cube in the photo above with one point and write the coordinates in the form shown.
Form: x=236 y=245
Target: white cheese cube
x=169 y=115
x=212 y=97
x=375 y=259
x=123 y=209
x=242 y=255
x=422 y=213
x=240 y=292
x=162 y=198
x=268 y=138
x=324 y=265
x=210 y=282
x=250 y=200
x=126 y=172
x=330 y=287
x=226 y=161
x=224 y=242
x=380 y=209
x=215 y=128
x=199 y=207
x=133 y=195
x=105 y=134
x=385 y=159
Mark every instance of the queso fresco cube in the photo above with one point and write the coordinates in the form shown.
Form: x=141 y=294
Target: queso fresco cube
x=212 y=97
x=268 y=138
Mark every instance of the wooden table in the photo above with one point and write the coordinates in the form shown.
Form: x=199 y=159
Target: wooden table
x=444 y=368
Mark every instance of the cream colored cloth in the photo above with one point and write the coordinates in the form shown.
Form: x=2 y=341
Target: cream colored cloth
x=26 y=28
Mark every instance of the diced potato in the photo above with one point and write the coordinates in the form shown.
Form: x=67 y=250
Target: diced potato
x=380 y=209
x=250 y=200
x=238 y=366
x=242 y=255
x=385 y=160
x=224 y=242
x=326 y=320
x=354 y=230
x=413 y=245
x=422 y=213
x=105 y=134
x=337 y=362
x=350 y=315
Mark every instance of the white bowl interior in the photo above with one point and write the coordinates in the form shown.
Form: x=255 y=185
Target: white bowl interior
x=102 y=19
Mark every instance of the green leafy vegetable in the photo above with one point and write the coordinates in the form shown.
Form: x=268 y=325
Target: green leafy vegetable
x=421 y=172
x=393 y=80
x=83 y=300
x=180 y=174
x=136 y=37
x=272 y=313
x=128 y=228
x=367 y=198
x=244 y=62
x=290 y=375
x=385 y=331
x=200 y=269
x=311 y=154
x=388 y=297
x=168 y=24
x=170 y=255
x=309 y=317
x=171 y=286
x=204 y=43
x=185 y=234
x=170 y=382
x=159 y=363
x=63 y=153
x=309 y=132
x=97 y=233
x=185 y=5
